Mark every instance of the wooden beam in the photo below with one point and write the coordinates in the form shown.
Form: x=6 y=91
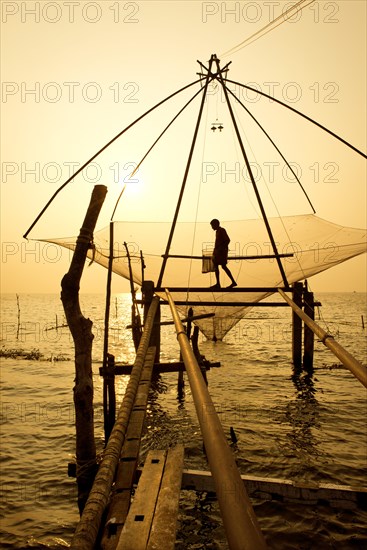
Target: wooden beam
x=270 y=289
x=161 y=368
x=340 y=496
x=184 y=320
x=221 y=304
x=253 y=257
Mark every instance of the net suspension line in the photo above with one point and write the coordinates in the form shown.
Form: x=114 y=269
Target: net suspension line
x=270 y=26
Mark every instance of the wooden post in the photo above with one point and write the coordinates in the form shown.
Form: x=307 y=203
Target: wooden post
x=345 y=357
x=155 y=339
x=18 y=326
x=198 y=356
x=297 y=327
x=180 y=378
x=80 y=328
x=109 y=395
x=308 y=335
x=108 y=420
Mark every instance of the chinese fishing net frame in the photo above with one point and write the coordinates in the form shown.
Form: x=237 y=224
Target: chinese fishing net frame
x=305 y=244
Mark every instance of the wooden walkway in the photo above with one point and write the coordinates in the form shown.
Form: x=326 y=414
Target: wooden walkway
x=152 y=519
x=125 y=473
x=141 y=507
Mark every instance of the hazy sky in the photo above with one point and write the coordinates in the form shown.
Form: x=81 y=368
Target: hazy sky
x=75 y=73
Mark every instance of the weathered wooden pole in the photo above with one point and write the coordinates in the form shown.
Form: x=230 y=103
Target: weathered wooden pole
x=81 y=330
x=135 y=317
x=108 y=378
x=195 y=349
x=155 y=339
x=109 y=395
x=180 y=378
x=297 y=328
x=308 y=335
x=345 y=357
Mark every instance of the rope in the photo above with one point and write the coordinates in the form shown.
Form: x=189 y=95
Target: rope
x=275 y=146
x=150 y=149
x=269 y=27
x=301 y=114
x=102 y=149
x=197 y=203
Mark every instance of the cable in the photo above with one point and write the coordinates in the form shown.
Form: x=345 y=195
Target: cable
x=269 y=27
x=272 y=142
x=301 y=114
x=156 y=141
x=197 y=201
x=102 y=149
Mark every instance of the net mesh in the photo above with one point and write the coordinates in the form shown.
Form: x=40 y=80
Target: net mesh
x=314 y=244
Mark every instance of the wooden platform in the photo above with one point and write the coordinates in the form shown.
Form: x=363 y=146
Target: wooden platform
x=152 y=518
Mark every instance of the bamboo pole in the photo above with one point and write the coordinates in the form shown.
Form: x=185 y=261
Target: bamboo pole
x=87 y=530
x=345 y=357
x=239 y=519
x=81 y=330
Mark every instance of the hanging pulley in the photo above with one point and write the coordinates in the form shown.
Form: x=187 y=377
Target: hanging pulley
x=217 y=125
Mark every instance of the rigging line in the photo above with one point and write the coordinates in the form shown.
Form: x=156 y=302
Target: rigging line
x=197 y=202
x=301 y=114
x=245 y=187
x=235 y=146
x=208 y=79
x=276 y=207
x=269 y=27
x=156 y=141
x=103 y=148
x=274 y=145
x=258 y=197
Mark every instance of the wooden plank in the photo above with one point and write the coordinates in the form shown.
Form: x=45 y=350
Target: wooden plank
x=120 y=503
x=120 y=511
x=130 y=449
x=135 y=533
x=136 y=424
x=160 y=368
x=341 y=496
x=163 y=532
x=125 y=475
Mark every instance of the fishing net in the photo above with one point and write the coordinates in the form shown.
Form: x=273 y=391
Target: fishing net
x=309 y=244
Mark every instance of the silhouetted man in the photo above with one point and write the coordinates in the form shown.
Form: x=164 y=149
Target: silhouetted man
x=220 y=253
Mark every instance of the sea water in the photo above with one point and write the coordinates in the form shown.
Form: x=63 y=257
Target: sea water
x=310 y=429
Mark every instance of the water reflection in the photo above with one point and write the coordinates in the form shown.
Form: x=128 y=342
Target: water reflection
x=167 y=422
x=302 y=416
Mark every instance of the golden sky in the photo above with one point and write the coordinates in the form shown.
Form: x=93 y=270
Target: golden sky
x=75 y=73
